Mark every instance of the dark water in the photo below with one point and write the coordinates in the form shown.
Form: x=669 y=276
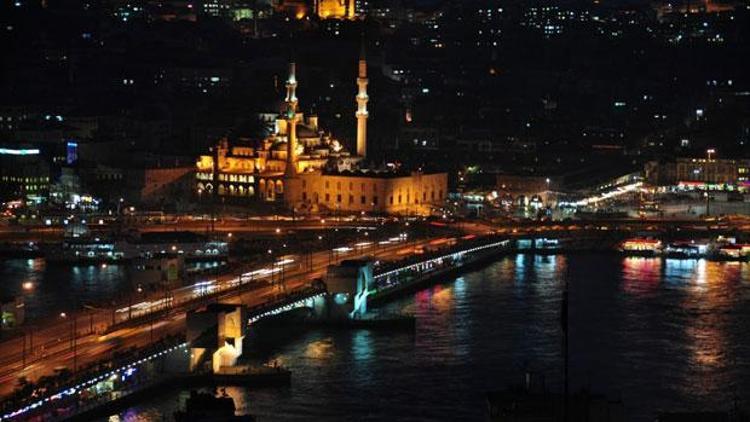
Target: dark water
x=58 y=288
x=658 y=334
x=49 y=289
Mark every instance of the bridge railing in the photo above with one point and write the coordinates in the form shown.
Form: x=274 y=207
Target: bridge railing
x=441 y=254
x=58 y=393
x=286 y=302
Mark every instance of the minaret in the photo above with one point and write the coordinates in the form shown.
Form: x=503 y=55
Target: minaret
x=291 y=120
x=362 y=99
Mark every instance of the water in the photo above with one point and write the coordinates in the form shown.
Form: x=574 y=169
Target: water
x=658 y=334
x=55 y=288
x=58 y=288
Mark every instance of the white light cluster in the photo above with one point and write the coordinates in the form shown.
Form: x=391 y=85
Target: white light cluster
x=146 y=307
x=72 y=390
x=607 y=195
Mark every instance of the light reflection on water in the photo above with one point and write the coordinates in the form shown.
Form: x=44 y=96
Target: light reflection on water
x=658 y=334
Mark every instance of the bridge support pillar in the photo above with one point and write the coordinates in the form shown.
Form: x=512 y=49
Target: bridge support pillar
x=215 y=335
x=348 y=285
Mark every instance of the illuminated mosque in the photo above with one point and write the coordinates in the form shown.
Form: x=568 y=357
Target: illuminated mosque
x=309 y=171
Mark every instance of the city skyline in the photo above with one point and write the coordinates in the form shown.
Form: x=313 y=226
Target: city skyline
x=472 y=210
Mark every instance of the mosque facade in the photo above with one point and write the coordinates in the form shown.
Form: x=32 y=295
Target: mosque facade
x=310 y=171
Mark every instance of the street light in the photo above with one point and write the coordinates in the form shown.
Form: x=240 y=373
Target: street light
x=73 y=338
x=710 y=152
x=273 y=262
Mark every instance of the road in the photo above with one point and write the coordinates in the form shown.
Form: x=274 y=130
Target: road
x=234 y=225
x=60 y=350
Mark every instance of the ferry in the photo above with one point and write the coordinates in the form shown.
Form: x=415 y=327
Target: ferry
x=719 y=249
x=686 y=249
x=86 y=248
x=641 y=247
x=731 y=252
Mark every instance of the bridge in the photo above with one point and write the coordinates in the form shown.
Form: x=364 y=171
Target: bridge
x=351 y=297
x=298 y=299
x=402 y=275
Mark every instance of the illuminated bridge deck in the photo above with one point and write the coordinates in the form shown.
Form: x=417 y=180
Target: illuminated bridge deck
x=297 y=299
x=406 y=274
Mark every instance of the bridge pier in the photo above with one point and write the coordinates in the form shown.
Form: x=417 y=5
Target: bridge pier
x=348 y=286
x=215 y=335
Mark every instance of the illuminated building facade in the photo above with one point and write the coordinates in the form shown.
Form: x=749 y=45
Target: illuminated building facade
x=388 y=191
x=700 y=173
x=335 y=9
x=301 y=167
x=24 y=173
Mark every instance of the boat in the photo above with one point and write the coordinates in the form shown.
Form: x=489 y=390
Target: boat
x=79 y=246
x=646 y=247
x=686 y=249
